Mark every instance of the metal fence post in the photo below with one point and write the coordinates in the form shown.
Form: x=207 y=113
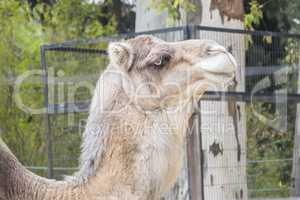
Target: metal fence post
x=186 y=32
x=194 y=143
x=46 y=114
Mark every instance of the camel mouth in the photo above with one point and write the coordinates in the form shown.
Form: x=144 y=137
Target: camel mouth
x=219 y=69
x=219 y=62
x=219 y=66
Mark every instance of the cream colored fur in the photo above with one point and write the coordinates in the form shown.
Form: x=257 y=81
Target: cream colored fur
x=132 y=145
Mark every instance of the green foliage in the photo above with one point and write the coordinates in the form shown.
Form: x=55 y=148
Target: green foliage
x=173 y=7
x=293 y=8
x=279 y=16
x=270 y=151
x=19 y=51
x=254 y=16
x=23 y=28
x=293 y=52
x=72 y=19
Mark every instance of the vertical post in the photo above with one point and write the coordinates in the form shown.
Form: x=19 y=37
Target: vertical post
x=194 y=157
x=46 y=114
x=186 y=32
x=194 y=145
x=296 y=155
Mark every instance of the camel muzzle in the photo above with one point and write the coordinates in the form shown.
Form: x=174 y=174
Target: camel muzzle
x=219 y=61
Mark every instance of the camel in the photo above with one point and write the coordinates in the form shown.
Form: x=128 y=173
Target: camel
x=138 y=119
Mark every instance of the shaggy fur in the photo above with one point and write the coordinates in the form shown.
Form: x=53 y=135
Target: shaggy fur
x=139 y=114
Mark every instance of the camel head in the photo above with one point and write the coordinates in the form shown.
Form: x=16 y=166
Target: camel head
x=159 y=74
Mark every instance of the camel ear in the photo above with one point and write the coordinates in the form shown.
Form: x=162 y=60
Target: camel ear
x=120 y=55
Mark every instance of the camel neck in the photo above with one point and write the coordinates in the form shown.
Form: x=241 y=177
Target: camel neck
x=110 y=111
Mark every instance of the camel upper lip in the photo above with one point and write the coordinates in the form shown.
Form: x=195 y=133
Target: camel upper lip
x=219 y=63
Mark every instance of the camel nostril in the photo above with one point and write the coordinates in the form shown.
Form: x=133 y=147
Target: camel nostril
x=229 y=48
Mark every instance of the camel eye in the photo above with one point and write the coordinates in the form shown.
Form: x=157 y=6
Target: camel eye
x=162 y=61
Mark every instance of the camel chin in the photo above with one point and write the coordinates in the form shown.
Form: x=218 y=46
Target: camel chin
x=132 y=143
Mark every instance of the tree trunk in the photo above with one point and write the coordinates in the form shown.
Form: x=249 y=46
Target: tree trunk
x=147 y=19
x=223 y=124
x=296 y=160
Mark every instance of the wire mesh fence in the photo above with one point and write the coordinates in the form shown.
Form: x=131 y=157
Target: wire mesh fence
x=257 y=138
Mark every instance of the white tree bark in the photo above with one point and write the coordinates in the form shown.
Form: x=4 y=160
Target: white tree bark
x=224 y=124
x=225 y=174
x=147 y=19
x=224 y=131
